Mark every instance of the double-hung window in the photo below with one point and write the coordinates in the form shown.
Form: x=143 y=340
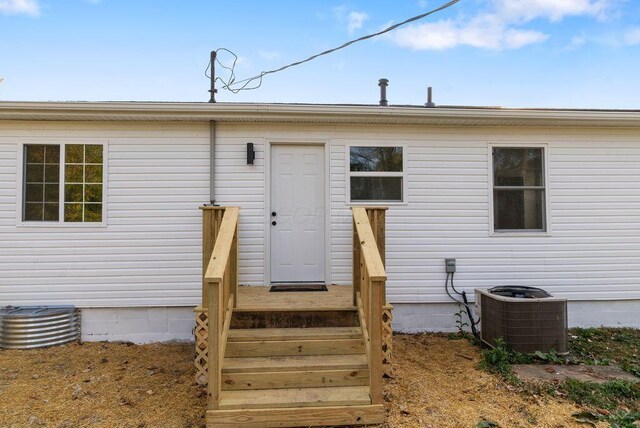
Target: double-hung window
x=63 y=183
x=519 y=189
x=376 y=174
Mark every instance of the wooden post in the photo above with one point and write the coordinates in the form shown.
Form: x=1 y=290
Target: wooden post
x=216 y=314
x=211 y=218
x=377 y=218
x=355 y=264
x=378 y=225
x=375 y=337
x=233 y=273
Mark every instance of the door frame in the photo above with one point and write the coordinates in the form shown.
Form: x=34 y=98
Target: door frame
x=326 y=144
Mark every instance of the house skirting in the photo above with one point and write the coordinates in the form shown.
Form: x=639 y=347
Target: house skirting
x=160 y=324
x=137 y=325
x=441 y=317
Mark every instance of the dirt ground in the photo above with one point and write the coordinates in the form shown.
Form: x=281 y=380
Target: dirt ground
x=436 y=385
x=100 y=385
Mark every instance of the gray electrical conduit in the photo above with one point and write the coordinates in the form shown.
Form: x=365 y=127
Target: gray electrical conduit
x=212 y=161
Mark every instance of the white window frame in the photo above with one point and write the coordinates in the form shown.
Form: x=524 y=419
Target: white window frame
x=349 y=174
x=546 y=215
x=62 y=143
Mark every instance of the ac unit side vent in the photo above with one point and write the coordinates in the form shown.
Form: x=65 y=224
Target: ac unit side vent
x=526 y=324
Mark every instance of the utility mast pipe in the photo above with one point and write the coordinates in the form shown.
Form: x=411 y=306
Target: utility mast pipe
x=213 y=77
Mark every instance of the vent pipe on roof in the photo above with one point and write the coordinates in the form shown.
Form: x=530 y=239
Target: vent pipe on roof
x=383 y=83
x=430 y=102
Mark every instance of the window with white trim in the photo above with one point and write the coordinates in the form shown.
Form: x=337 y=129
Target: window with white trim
x=376 y=173
x=63 y=183
x=519 y=189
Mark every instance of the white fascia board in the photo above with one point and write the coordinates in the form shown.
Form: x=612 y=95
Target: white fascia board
x=312 y=113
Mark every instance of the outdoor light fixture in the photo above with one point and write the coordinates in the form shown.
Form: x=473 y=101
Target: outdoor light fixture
x=251 y=154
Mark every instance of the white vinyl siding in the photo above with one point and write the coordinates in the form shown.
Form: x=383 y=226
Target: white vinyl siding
x=594 y=206
x=150 y=254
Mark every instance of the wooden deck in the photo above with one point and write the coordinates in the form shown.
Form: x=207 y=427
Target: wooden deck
x=259 y=298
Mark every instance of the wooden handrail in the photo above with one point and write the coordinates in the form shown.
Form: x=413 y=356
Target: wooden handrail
x=222 y=248
x=369 y=283
x=368 y=245
x=220 y=287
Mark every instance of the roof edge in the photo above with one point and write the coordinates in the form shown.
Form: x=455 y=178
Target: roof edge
x=313 y=113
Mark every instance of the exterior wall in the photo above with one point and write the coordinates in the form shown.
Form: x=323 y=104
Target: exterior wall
x=149 y=254
x=591 y=253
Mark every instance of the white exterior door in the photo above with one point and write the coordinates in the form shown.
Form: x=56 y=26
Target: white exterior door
x=297 y=213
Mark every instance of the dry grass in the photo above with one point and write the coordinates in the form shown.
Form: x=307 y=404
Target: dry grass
x=437 y=384
x=115 y=385
x=100 y=385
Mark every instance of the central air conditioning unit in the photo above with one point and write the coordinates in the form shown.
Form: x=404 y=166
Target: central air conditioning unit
x=528 y=319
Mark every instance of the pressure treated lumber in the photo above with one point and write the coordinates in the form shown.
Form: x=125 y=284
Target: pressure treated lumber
x=222 y=249
x=294 y=363
x=295 y=397
x=277 y=334
x=295 y=347
x=368 y=245
x=295 y=379
x=307 y=417
x=259 y=298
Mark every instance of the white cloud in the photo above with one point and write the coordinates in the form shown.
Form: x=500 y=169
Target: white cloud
x=355 y=20
x=553 y=10
x=20 y=7
x=499 y=26
x=632 y=37
x=484 y=32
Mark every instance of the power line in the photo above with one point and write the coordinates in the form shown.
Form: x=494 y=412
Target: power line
x=245 y=82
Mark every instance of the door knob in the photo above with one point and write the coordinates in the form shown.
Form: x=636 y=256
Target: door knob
x=273 y=223
x=273 y=213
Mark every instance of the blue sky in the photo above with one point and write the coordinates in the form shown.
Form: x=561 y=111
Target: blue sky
x=514 y=53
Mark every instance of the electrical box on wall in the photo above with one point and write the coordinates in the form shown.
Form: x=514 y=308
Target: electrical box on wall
x=450 y=265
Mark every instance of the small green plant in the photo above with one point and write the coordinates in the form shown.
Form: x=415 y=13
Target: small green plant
x=551 y=357
x=618 y=419
x=498 y=359
x=461 y=324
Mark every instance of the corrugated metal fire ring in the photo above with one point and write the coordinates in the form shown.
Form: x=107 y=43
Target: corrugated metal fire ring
x=26 y=327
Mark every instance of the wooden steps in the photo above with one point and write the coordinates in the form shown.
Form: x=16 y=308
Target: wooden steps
x=295 y=379
x=294 y=363
x=279 y=334
x=301 y=397
x=296 y=417
x=285 y=377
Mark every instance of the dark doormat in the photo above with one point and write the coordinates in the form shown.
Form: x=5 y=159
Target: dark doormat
x=299 y=287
